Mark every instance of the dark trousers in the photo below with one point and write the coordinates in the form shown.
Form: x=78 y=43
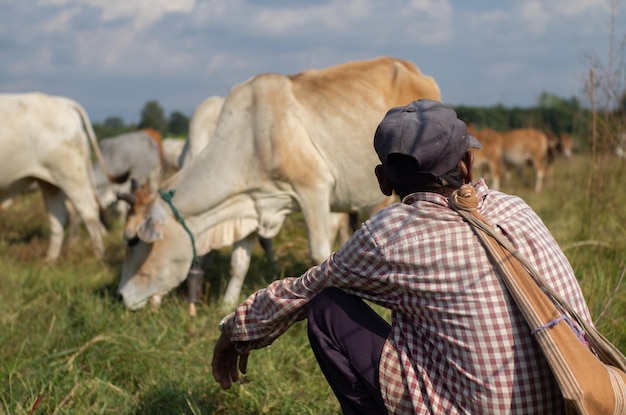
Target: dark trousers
x=347 y=338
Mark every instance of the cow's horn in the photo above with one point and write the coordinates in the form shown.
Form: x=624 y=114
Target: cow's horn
x=127 y=197
x=134 y=185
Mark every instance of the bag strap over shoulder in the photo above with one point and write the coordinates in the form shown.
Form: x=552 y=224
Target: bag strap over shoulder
x=590 y=370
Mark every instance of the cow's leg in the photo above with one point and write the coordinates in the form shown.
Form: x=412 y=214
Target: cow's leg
x=109 y=198
x=74 y=222
x=495 y=175
x=339 y=227
x=87 y=208
x=317 y=217
x=539 y=175
x=121 y=210
x=521 y=170
x=239 y=265
x=6 y=204
x=154 y=178
x=507 y=174
x=54 y=201
x=268 y=247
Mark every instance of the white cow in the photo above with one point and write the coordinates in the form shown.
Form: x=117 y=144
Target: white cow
x=140 y=153
x=172 y=153
x=43 y=141
x=201 y=128
x=282 y=144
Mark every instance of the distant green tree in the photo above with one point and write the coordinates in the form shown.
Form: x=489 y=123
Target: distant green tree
x=111 y=127
x=178 y=124
x=558 y=114
x=552 y=113
x=519 y=118
x=497 y=117
x=471 y=115
x=153 y=116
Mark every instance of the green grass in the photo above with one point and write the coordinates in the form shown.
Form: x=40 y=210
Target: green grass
x=64 y=337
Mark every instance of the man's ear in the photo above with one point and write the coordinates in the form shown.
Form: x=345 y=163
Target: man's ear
x=383 y=183
x=465 y=165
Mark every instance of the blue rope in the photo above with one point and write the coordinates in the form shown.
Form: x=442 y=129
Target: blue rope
x=563 y=317
x=549 y=324
x=167 y=196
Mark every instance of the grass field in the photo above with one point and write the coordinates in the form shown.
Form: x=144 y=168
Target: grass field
x=65 y=338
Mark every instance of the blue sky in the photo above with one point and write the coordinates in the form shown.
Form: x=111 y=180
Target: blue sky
x=114 y=56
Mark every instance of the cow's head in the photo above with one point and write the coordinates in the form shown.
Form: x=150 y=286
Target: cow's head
x=566 y=145
x=159 y=251
x=560 y=145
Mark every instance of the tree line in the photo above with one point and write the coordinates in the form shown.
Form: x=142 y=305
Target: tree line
x=551 y=114
x=152 y=116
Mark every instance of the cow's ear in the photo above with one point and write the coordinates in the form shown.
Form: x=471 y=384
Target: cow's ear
x=151 y=229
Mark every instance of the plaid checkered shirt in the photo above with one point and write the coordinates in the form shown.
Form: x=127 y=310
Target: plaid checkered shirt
x=458 y=344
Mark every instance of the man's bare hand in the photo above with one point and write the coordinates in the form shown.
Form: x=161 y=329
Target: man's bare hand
x=227 y=362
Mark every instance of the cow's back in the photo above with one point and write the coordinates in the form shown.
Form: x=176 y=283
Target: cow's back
x=524 y=144
x=44 y=139
x=201 y=127
x=340 y=108
x=37 y=131
x=136 y=152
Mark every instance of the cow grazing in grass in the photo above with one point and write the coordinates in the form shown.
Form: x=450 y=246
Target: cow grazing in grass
x=523 y=147
x=43 y=141
x=282 y=144
x=490 y=155
x=140 y=153
x=201 y=129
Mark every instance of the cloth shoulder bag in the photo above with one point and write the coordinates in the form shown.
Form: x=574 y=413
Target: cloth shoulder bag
x=590 y=371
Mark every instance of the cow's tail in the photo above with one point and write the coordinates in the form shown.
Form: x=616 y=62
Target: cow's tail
x=96 y=148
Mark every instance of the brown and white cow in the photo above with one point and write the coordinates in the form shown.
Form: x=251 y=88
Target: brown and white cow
x=511 y=150
x=282 y=144
x=560 y=145
x=490 y=155
x=43 y=141
x=526 y=146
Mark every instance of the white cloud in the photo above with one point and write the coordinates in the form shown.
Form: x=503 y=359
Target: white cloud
x=491 y=48
x=337 y=14
x=60 y=22
x=142 y=13
x=439 y=10
x=578 y=7
x=533 y=17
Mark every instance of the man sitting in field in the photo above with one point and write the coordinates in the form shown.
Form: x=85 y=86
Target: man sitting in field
x=457 y=343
